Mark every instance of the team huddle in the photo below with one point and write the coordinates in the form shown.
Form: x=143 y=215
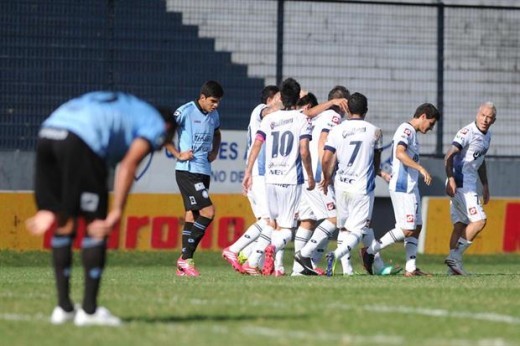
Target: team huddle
x=310 y=167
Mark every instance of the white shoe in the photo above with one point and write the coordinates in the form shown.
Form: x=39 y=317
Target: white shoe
x=60 y=316
x=102 y=317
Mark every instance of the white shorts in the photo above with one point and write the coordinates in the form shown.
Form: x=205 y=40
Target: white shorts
x=315 y=205
x=407 y=209
x=465 y=207
x=283 y=203
x=258 y=198
x=354 y=210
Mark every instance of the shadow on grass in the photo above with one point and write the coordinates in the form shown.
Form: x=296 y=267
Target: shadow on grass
x=216 y=318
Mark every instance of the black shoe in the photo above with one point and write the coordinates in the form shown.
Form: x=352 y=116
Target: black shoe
x=306 y=263
x=368 y=260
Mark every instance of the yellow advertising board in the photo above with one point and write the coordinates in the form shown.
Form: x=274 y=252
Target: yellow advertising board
x=501 y=234
x=150 y=222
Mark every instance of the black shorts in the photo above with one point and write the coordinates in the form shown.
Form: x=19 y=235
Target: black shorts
x=194 y=189
x=70 y=179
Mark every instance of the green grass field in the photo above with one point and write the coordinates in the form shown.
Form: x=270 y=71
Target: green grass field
x=222 y=307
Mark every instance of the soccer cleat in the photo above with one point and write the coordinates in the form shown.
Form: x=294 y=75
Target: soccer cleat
x=102 y=317
x=390 y=270
x=416 y=272
x=306 y=263
x=269 y=260
x=455 y=266
x=368 y=260
x=60 y=316
x=331 y=264
x=232 y=259
x=186 y=267
x=253 y=271
x=319 y=271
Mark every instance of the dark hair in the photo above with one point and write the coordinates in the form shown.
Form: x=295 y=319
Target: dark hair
x=430 y=110
x=290 y=92
x=357 y=104
x=309 y=99
x=338 y=92
x=268 y=92
x=212 y=88
x=167 y=114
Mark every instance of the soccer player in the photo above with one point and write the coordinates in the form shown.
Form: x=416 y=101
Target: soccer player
x=198 y=145
x=353 y=153
x=404 y=189
x=76 y=146
x=317 y=211
x=270 y=96
x=465 y=163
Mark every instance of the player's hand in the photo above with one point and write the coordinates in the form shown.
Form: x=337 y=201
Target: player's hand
x=311 y=184
x=41 y=222
x=324 y=186
x=212 y=156
x=451 y=187
x=185 y=155
x=426 y=175
x=341 y=103
x=246 y=183
x=100 y=229
x=386 y=176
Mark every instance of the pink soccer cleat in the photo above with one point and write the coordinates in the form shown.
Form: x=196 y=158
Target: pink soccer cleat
x=268 y=268
x=232 y=258
x=253 y=271
x=186 y=267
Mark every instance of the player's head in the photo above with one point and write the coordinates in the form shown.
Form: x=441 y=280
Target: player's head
x=290 y=93
x=357 y=105
x=268 y=93
x=338 y=92
x=307 y=101
x=486 y=116
x=169 y=120
x=211 y=93
x=426 y=115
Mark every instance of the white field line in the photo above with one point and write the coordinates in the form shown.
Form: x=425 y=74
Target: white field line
x=481 y=316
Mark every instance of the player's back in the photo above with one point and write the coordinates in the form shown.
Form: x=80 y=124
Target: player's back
x=355 y=141
x=282 y=131
x=254 y=125
x=108 y=122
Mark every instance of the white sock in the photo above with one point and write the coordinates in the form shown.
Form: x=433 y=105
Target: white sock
x=248 y=237
x=410 y=245
x=368 y=238
x=278 y=260
x=318 y=253
x=281 y=238
x=462 y=246
x=391 y=237
x=262 y=242
x=249 y=249
x=301 y=238
x=321 y=234
x=345 y=260
x=350 y=241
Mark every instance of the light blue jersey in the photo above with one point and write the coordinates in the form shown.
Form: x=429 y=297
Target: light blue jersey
x=108 y=122
x=195 y=131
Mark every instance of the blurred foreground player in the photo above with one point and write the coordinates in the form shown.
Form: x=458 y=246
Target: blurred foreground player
x=76 y=146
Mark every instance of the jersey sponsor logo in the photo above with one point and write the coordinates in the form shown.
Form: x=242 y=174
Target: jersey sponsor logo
x=193 y=201
x=407 y=132
x=276 y=172
x=281 y=122
x=55 y=134
x=473 y=211
x=331 y=206
x=347 y=180
x=464 y=131
x=176 y=113
x=409 y=218
x=336 y=120
x=351 y=132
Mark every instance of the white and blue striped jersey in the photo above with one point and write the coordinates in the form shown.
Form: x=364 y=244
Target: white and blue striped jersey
x=404 y=178
x=252 y=129
x=281 y=132
x=323 y=122
x=473 y=146
x=354 y=142
x=195 y=131
x=108 y=122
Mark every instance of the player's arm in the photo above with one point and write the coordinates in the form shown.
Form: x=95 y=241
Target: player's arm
x=217 y=139
x=451 y=185
x=179 y=155
x=314 y=111
x=255 y=150
x=482 y=173
x=406 y=160
x=377 y=166
x=124 y=179
x=328 y=162
x=306 y=161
